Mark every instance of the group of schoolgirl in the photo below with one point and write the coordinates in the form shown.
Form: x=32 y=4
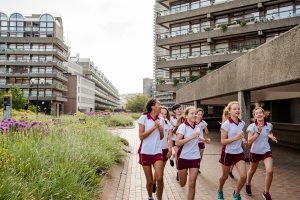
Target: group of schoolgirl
x=181 y=139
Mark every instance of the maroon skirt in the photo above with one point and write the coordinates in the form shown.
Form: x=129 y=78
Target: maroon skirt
x=201 y=145
x=146 y=159
x=231 y=159
x=164 y=154
x=253 y=157
x=186 y=164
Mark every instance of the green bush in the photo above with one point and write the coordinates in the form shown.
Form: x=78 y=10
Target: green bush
x=135 y=116
x=116 y=120
x=66 y=164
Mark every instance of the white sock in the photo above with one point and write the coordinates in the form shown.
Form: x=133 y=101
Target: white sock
x=171 y=158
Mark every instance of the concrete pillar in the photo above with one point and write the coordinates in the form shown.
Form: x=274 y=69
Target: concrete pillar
x=244 y=99
x=197 y=103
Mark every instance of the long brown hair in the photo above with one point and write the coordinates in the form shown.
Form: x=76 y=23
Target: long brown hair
x=226 y=114
x=168 y=113
x=179 y=121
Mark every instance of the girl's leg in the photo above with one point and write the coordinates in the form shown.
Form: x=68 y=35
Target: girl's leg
x=193 y=172
x=251 y=171
x=149 y=179
x=159 y=167
x=241 y=168
x=223 y=178
x=201 y=154
x=269 y=173
x=182 y=177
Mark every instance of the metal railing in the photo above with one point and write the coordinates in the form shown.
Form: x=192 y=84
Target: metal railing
x=248 y=20
x=216 y=51
x=192 y=6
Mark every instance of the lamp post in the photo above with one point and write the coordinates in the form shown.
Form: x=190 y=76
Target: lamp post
x=36 y=82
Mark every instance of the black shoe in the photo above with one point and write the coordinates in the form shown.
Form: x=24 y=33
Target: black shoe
x=231 y=175
x=199 y=172
x=172 y=163
x=177 y=177
x=153 y=188
x=248 y=190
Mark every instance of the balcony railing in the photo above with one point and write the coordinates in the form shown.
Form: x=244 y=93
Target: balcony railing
x=241 y=22
x=217 y=51
x=34 y=49
x=192 y=6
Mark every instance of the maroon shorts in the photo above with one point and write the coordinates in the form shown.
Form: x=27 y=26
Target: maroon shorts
x=201 y=145
x=253 y=157
x=164 y=154
x=146 y=159
x=186 y=164
x=231 y=159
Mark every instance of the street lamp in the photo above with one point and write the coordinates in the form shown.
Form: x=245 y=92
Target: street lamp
x=36 y=82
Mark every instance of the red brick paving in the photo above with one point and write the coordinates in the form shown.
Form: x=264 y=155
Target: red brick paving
x=285 y=186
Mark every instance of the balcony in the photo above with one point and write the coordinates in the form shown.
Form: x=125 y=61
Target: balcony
x=171 y=85
x=203 y=8
x=54 y=74
x=34 y=63
x=53 y=97
x=220 y=55
x=254 y=24
x=56 y=86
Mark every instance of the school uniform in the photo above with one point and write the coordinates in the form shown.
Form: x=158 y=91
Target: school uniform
x=164 y=142
x=202 y=124
x=150 y=149
x=173 y=122
x=188 y=154
x=233 y=152
x=260 y=148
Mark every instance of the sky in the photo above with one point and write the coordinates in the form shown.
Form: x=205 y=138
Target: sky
x=116 y=34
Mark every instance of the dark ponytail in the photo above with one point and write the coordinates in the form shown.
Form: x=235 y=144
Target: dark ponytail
x=149 y=105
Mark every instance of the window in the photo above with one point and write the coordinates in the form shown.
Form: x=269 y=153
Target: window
x=2 y=80
x=35 y=70
x=221 y=20
x=205 y=49
x=195 y=49
x=221 y=47
x=48 y=81
x=298 y=9
x=16 y=24
x=33 y=93
x=48 y=93
x=285 y=10
x=185 y=51
x=49 y=70
x=175 y=51
x=195 y=26
x=175 y=73
x=204 y=3
x=46 y=25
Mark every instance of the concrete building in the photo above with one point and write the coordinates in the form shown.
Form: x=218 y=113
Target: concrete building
x=269 y=74
x=197 y=37
x=81 y=91
x=32 y=55
x=166 y=98
x=90 y=87
x=148 y=87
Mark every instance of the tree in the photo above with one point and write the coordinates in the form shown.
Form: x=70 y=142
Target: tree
x=137 y=103
x=18 y=99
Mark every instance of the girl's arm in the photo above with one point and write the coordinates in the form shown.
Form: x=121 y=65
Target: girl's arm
x=252 y=137
x=170 y=134
x=161 y=132
x=180 y=141
x=144 y=134
x=272 y=137
x=206 y=130
x=225 y=140
x=205 y=140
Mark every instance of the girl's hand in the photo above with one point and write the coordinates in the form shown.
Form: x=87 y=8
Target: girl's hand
x=258 y=128
x=157 y=123
x=240 y=135
x=196 y=134
x=273 y=138
x=207 y=140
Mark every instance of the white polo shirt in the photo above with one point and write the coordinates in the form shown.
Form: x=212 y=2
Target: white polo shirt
x=151 y=145
x=202 y=125
x=173 y=123
x=189 y=150
x=261 y=144
x=232 y=130
x=164 y=142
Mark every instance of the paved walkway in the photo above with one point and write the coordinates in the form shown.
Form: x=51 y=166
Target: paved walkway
x=286 y=182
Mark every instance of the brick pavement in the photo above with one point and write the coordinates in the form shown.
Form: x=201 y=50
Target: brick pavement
x=285 y=186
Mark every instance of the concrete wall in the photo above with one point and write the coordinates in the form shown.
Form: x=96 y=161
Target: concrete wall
x=274 y=63
x=71 y=105
x=198 y=60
